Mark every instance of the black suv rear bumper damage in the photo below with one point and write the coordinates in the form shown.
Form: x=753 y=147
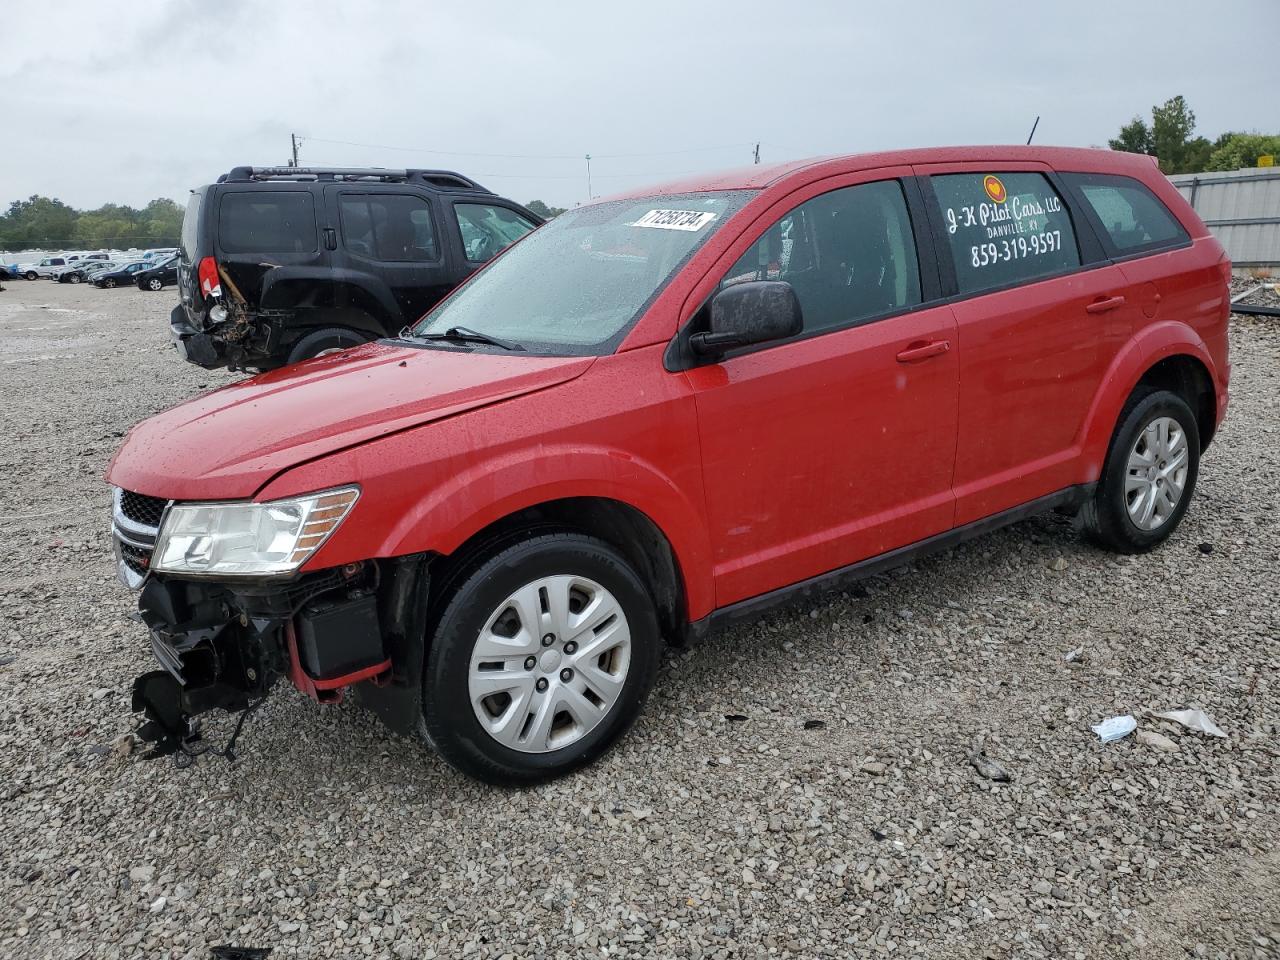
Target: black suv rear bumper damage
x=223 y=645
x=192 y=344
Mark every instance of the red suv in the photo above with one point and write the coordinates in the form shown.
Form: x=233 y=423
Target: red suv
x=664 y=411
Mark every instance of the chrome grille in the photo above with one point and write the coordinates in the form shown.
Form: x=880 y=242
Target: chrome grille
x=142 y=509
x=135 y=523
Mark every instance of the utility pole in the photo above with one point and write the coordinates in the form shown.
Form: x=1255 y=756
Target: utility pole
x=588 y=178
x=757 y=153
x=293 y=139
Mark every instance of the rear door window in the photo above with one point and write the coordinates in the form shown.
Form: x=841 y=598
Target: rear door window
x=487 y=230
x=1131 y=216
x=394 y=227
x=1004 y=228
x=849 y=255
x=267 y=222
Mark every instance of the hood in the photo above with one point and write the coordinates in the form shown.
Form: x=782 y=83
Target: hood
x=229 y=442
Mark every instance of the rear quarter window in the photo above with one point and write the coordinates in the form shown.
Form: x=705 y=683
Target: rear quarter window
x=267 y=222
x=1004 y=228
x=1132 y=218
x=191 y=225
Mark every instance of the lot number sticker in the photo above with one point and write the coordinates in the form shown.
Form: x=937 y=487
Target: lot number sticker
x=689 y=220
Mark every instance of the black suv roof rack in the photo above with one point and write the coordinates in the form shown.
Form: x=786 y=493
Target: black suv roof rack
x=440 y=179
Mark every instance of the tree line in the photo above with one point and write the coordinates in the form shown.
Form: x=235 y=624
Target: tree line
x=1168 y=138
x=43 y=222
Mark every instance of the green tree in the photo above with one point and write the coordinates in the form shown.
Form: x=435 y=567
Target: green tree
x=43 y=222
x=1171 y=127
x=1135 y=137
x=1236 y=151
x=37 y=221
x=1168 y=138
x=544 y=211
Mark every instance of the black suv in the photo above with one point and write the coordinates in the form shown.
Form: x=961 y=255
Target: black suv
x=278 y=264
x=159 y=276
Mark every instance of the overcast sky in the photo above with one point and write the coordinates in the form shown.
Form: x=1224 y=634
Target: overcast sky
x=127 y=101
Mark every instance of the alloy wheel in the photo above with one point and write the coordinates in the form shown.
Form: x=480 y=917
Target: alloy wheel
x=1157 y=473
x=549 y=664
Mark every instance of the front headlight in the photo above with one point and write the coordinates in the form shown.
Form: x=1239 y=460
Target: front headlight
x=243 y=538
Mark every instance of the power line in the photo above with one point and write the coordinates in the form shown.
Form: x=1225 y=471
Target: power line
x=526 y=156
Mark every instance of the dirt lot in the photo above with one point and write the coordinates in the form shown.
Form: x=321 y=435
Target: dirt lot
x=721 y=827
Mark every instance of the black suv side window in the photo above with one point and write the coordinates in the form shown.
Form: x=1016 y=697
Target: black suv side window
x=1132 y=217
x=848 y=254
x=1004 y=228
x=267 y=222
x=394 y=227
x=487 y=230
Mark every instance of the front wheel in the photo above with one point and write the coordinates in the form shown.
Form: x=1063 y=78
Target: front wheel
x=31 y=274
x=1149 y=475
x=542 y=657
x=109 y=282
x=75 y=278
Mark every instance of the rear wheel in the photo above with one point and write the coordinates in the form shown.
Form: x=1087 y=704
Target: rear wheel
x=542 y=657
x=1149 y=475
x=326 y=340
x=155 y=283
x=31 y=274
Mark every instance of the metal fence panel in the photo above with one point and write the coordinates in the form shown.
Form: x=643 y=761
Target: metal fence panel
x=1242 y=208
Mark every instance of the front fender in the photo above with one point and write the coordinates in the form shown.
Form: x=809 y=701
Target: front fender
x=454 y=511
x=1147 y=348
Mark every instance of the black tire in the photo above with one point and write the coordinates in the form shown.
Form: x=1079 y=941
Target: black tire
x=31 y=275
x=1105 y=516
x=449 y=721
x=109 y=283
x=326 y=339
x=75 y=278
x=155 y=284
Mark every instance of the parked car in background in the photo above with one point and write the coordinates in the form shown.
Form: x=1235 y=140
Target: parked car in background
x=279 y=265
x=157 y=275
x=666 y=412
x=41 y=268
x=120 y=276
x=83 y=270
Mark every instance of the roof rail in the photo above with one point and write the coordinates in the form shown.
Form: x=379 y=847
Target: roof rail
x=440 y=179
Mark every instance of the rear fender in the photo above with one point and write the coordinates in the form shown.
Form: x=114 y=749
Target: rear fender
x=1147 y=348
x=284 y=287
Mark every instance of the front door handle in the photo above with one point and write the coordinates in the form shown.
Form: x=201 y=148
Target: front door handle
x=923 y=350
x=1104 y=304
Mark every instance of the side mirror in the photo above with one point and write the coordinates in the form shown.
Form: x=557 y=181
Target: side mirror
x=755 y=311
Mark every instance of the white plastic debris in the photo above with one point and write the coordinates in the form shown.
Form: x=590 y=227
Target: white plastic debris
x=1115 y=728
x=1193 y=720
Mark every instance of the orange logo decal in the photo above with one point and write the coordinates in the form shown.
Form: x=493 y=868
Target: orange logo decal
x=995 y=189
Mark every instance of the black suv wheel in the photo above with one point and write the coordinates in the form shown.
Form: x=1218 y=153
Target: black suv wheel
x=326 y=340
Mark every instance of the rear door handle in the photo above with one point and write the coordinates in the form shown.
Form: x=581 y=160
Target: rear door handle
x=923 y=350
x=1104 y=304
x=330 y=238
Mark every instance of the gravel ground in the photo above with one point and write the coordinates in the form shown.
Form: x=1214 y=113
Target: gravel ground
x=725 y=825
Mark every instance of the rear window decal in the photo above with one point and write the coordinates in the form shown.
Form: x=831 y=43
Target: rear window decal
x=690 y=220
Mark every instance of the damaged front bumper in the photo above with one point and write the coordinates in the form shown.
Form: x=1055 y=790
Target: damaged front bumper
x=223 y=646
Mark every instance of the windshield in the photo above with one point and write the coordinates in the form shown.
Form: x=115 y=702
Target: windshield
x=575 y=285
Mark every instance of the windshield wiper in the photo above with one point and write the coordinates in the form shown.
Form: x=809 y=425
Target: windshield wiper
x=467 y=335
